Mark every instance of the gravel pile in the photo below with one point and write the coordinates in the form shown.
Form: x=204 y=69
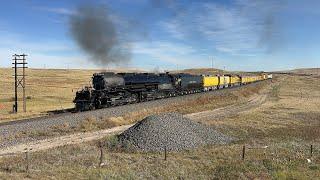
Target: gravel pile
x=170 y=130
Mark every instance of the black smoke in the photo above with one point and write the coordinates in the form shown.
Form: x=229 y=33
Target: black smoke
x=271 y=35
x=94 y=31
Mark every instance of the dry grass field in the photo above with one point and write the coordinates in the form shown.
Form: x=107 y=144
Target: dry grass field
x=46 y=89
x=307 y=71
x=286 y=123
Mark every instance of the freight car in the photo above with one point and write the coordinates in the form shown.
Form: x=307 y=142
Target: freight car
x=113 y=89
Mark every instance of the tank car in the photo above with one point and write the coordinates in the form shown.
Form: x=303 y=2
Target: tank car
x=187 y=83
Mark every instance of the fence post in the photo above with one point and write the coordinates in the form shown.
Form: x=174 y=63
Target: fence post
x=27 y=160
x=165 y=153
x=311 y=150
x=101 y=154
x=243 y=151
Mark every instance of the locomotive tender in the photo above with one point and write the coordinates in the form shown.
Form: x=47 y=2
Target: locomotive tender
x=113 y=89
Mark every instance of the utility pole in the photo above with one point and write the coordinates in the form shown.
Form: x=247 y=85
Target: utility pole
x=19 y=80
x=212 y=62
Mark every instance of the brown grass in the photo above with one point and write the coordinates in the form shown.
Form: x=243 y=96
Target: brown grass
x=307 y=71
x=211 y=162
x=46 y=89
x=287 y=125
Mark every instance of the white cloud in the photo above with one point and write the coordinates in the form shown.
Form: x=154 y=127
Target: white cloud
x=175 y=54
x=234 y=29
x=173 y=29
x=51 y=52
x=59 y=10
x=162 y=47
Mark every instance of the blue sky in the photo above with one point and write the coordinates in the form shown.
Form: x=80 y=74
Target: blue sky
x=238 y=35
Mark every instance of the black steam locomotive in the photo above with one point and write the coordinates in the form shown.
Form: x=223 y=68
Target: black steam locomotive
x=112 y=89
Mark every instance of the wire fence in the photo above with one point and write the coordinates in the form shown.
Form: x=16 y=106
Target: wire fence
x=245 y=153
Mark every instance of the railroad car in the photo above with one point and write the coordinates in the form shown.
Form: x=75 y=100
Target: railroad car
x=224 y=81
x=187 y=83
x=245 y=80
x=265 y=76
x=210 y=82
x=235 y=80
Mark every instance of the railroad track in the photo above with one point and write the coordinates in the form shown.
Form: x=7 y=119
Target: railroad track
x=224 y=112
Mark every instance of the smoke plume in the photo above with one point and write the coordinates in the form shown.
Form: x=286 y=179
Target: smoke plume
x=96 y=34
x=271 y=36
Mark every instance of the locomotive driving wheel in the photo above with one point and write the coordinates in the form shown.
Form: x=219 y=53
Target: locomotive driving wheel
x=134 y=98
x=97 y=104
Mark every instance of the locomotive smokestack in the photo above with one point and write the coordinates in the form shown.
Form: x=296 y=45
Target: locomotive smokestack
x=95 y=33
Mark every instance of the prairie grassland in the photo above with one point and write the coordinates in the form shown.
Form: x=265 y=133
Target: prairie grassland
x=307 y=71
x=287 y=123
x=46 y=89
x=291 y=112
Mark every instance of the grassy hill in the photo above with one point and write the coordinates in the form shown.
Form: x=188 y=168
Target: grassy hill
x=201 y=71
x=307 y=71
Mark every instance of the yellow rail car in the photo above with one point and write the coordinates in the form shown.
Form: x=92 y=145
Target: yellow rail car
x=224 y=81
x=235 y=80
x=265 y=76
x=245 y=79
x=255 y=78
x=215 y=82
x=210 y=82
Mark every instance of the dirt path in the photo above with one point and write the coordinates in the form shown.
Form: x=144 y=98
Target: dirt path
x=62 y=140
x=78 y=138
x=228 y=111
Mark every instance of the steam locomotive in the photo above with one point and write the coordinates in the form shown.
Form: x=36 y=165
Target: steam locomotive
x=113 y=89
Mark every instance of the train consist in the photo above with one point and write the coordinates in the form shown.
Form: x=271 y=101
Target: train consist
x=113 y=89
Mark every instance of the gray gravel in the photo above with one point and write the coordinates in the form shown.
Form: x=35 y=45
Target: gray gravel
x=170 y=130
x=11 y=129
